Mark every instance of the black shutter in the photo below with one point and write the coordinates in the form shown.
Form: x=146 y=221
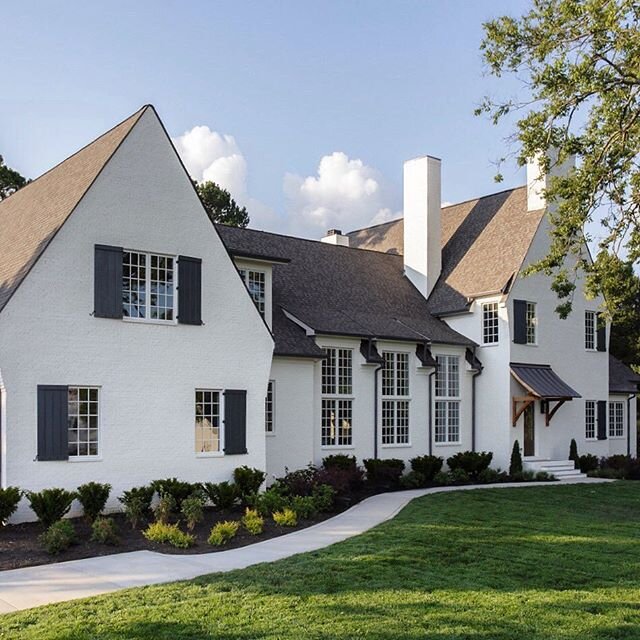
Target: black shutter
x=601 y=335
x=189 y=290
x=235 y=421
x=53 y=437
x=107 y=282
x=602 y=419
x=520 y=321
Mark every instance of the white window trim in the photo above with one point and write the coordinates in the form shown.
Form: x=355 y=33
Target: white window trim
x=209 y=454
x=535 y=323
x=148 y=320
x=99 y=457
x=244 y=274
x=482 y=325
x=595 y=421
x=458 y=399
x=337 y=396
x=395 y=398
x=595 y=331
x=271 y=433
x=609 y=433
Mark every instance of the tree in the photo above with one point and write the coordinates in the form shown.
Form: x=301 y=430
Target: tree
x=220 y=206
x=10 y=180
x=515 y=464
x=578 y=62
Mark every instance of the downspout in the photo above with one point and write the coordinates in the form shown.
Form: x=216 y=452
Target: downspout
x=475 y=374
x=433 y=373
x=629 y=398
x=375 y=411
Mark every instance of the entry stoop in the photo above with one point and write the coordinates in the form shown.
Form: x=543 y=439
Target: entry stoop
x=561 y=469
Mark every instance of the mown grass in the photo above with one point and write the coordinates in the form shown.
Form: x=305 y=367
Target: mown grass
x=559 y=562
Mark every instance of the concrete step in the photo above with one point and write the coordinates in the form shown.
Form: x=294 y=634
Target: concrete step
x=561 y=469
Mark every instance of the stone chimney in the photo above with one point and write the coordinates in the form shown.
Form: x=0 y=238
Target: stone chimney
x=334 y=236
x=537 y=181
x=422 y=226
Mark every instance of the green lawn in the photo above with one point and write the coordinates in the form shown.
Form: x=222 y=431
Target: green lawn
x=550 y=562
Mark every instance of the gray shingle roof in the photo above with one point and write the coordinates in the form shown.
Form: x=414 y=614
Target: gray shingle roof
x=622 y=379
x=31 y=217
x=484 y=243
x=339 y=291
x=542 y=381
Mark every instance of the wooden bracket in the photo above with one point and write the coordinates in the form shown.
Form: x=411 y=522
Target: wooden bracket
x=517 y=411
x=548 y=412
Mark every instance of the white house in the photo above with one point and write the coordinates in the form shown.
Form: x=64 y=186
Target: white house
x=131 y=350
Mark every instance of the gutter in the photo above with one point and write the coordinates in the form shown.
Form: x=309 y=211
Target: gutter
x=475 y=371
x=433 y=373
x=629 y=398
x=375 y=410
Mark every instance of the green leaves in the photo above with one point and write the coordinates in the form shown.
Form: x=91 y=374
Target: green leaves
x=10 y=180
x=220 y=206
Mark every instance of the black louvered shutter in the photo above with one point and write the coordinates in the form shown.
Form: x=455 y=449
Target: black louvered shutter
x=520 y=321
x=53 y=438
x=189 y=290
x=107 y=282
x=235 y=421
x=601 y=335
x=602 y=419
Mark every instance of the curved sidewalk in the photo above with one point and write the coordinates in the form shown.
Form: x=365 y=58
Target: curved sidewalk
x=36 y=586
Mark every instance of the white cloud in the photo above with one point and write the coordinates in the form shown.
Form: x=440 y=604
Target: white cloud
x=345 y=194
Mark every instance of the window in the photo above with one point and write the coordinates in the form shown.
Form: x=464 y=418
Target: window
x=616 y=419
x=395 y=400
x=83 y=421
x=490 y=323
x=447 y=403
x=255 y=282
x=337 y=400
x=269 y=407
x=590 y=330
x=590 y=419
x=532 y=322
x=208 y=431
x=148 y=286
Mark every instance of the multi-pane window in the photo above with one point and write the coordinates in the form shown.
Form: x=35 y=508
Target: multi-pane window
x=269 y=405
x=207 y=414
x=148 y=286
x=83 y=421
x=490 y=323
x=590 y=419
x=255 y=282
x=590 y=330
x=395 y=400
x=616 y=419
x=447 y=402
x=531 y=323
x=337 y=400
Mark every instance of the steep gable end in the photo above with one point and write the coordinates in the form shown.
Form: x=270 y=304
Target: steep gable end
x=31 y=217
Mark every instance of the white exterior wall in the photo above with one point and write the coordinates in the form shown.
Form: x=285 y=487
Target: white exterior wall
x=147 y=373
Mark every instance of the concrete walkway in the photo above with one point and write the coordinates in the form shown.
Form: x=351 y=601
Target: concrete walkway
x=36 y=586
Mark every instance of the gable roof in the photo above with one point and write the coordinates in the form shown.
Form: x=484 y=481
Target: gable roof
x=338 y=290
x=622 y=379
x=484 y=243
x=31 y=217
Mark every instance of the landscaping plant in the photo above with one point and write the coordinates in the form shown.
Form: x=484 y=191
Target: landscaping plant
x=105 y=531
x=588 y=462
x=427 y=466
x=193 y=511
x=9 y=500
x=471 y=462
x=515 y=465
x=339 y=461
x=253 y=522
x=137 y=504
x=222 y=532
x=177 y=489
x=384 y=474
x=248 y=480
x=324 y=496
x=93 y=497
x=573 y=452
x=413 y=480
x=165 y=507
x=58 y=537
x=299 y=482
x=169 y=534
x=50 y=505
x=304 y=506
x=223 y=495
x=269 y=501
x=285 y=518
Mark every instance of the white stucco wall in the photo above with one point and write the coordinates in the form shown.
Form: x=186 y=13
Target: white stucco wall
x=147 y=373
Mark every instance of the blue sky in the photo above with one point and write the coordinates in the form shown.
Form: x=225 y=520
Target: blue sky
x=284 y=89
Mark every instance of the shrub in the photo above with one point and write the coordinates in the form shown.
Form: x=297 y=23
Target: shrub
x=168 y=534
x=269 y=501
x=443 y=478
x=58 y=537
x=50 y=505
x=413 y=480
x=304 y=506
x=253 y=522
x=611 y=474
x=343 y=481
x=632 y=472
x=573 y=451
x=587 y=462
x=248 y=480
x=324 y=495
x=285 y=518
x=489 y=475
x=222 y=532
x=93 y=497
x=428 y=466
x=223 y=495
x=459 y=476
x=544 y=476
x=137 y=504
x=300 y=482
x=340 y=461
x=193 y=511
x=515 y=465
x=165 y=507
x=619 y=462
x=384 y=473
x=177 y=489
x=471 y=462
x=105 y=531
x=9 y=500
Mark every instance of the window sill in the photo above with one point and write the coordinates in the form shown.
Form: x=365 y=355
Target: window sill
x=270 y=434
x=168 y=323
x=337 y=446
x=594 y=439
x=622 y=437
x=84 y=459
x=490 y=344
x=446 y=444
x=212 y=454
x=396 y=446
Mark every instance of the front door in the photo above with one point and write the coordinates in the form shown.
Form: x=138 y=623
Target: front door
x=529 y=431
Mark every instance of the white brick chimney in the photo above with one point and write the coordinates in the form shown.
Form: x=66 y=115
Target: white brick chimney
x=537 y=181
x=335 y=236
x=422 y=226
